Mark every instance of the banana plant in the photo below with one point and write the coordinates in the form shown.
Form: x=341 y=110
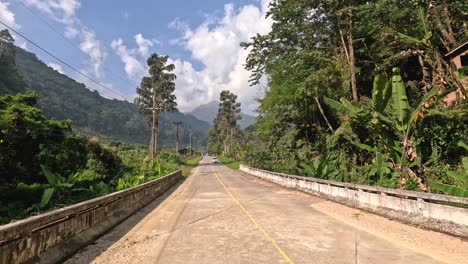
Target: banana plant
x=381 y=93
x=400 y=121
x=321 y=168
x=460 y=177
x=400 y=101
x=129 y=181
x=57 y=185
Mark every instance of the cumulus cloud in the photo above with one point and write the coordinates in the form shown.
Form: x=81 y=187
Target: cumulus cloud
x=133 y=67
x=134 y=58
x=56 y=67
x=90 y=45
x=215 y=43
x=64 y=12
x=7 y=16
x=144 y=44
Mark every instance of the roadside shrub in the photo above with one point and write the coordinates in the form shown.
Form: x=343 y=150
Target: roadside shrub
x=106 y=156
x=67 y=157
x=438 y=134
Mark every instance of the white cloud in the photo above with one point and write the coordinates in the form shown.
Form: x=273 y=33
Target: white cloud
x=71 y=32
x=179 y=25
x=65 y=12
x=134 y=58
x=132 y=65
x=144 y=44
x=7 y=16
x=91 y=46
x=56 y=67
x=215 y=43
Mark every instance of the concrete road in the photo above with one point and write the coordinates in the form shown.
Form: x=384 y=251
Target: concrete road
x=219 y=215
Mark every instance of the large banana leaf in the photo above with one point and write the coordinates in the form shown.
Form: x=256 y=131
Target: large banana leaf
x=459 y=176
x=51 y=177
x=449 y=189
x=348 y=108
x=381 y=93
x=416 y=111
x=379 y=117
x=364 y=146
x=400 y=100
x=465 y=165
x=46 y=195
x=463 y=145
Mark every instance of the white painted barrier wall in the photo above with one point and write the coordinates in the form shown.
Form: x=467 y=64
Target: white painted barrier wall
x=443 y=213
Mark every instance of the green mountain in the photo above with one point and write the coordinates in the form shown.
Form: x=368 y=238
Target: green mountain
x=207 y=112
x=63 y=98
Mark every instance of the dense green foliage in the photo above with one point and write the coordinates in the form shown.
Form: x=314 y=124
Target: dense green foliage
x=10 y=81
x=43 y=165
x=231 y=163
x=357 y=93
x=24 y=139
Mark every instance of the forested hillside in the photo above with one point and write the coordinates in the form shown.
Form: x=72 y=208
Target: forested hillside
x=61 y=98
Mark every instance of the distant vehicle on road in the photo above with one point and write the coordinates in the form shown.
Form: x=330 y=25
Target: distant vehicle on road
x=215 y=159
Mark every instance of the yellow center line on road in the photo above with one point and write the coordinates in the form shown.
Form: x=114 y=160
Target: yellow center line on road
x=281 y=251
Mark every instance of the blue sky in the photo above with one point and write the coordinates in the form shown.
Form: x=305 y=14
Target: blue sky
x=114 y=38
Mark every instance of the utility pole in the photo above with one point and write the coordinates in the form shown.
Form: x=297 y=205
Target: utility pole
x=153 y=129
x=195 y=144
x=177 y=135
x=190 y=135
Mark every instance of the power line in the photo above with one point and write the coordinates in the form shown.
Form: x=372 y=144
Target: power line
x=26 y=54
x=63 y=62
x=71 y=43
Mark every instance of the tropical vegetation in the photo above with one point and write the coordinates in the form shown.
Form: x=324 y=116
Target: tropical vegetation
x=47 y=163
x=362 y=92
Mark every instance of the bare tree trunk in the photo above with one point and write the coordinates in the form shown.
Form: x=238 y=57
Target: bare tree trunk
x=323 y=114
x=153 y=134
x=434 y=15
x=348 y=48
x=177 y=138
x=426 y=72
x=232 y=139
x=156 y=132
x=352 y=68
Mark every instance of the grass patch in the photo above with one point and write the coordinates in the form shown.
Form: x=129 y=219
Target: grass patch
x=229 y=162
x=189 y=164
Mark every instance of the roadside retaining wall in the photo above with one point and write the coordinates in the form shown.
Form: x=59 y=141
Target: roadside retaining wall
x=52 y=236
x=448 y=214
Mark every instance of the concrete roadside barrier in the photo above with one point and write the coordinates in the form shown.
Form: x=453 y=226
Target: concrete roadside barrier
x=443 y=213
x=52 y=236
